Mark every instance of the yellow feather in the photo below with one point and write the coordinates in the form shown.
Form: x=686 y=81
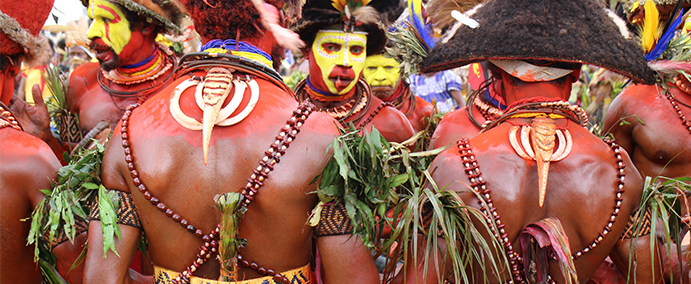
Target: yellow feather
x=365 y=2
x=338 y=4
x=650 y=23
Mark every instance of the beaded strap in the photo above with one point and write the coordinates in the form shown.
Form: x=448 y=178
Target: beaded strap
x=479 y=185
x=373 y=114
x=255 y=182
x=686 y=123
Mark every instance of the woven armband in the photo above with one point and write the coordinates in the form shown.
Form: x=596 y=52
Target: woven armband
x=334 y=220
x=80 y=226
x=643 y=228
x=126 y=211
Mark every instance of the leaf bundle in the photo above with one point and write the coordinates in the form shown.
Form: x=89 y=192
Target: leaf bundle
x=662 y=196
x=232 y=211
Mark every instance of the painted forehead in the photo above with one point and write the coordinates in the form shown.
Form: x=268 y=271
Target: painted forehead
x=332 y=35
x=104 y=9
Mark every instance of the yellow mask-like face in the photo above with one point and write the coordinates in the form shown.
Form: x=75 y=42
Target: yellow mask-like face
x=110 y=24
x=333 y=50
x=381 y=71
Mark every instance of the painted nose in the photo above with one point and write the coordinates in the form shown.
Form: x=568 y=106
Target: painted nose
x=96 y=30
x=379 y=74
x=346 y=58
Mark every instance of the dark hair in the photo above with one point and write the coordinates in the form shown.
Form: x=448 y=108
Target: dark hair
x=220 y=19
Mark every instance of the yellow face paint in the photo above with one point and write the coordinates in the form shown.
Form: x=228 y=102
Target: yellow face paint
x=110 y=24
x=336 y=48
x=381 y=71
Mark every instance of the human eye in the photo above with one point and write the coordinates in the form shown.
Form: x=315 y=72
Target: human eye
x=331 y=47
x=357 y=50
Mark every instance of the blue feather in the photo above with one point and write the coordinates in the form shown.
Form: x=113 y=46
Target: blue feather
x=664 y=39
x=423 y=31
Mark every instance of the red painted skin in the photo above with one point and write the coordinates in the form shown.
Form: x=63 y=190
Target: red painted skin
x=419 y=118
x=660 y=145
x=570 y=197
x=27 y=165
x=391 y=123
x=456 y=125
x=657 y=141
x=169 y=160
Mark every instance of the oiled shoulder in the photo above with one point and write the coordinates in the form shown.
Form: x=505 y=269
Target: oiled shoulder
x=81 y=80
x=453 y=126
x=26 y=154
x=27 y=163
x=392 y=123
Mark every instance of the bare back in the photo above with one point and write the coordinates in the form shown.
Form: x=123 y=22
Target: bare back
x=27 y=166
x=580 y=191
x=169 y=160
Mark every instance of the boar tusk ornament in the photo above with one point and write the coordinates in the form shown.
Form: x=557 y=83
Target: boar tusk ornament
x=537 y=142
x=210 y=94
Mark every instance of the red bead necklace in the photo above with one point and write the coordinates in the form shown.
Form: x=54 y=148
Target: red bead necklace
x=682 y=86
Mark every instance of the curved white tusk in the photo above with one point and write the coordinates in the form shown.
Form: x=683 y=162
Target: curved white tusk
x=176 y=112
x=516 y=146
x=234 y=102
x=525 y=140
x=254 y=90
x=565 y=139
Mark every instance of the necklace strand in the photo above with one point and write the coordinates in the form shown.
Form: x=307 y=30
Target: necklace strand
x=684 y=122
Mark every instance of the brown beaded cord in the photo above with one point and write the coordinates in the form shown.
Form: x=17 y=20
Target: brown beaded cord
x=479 y=185
x=686 y=123
x=272 y=156
x=373 y=114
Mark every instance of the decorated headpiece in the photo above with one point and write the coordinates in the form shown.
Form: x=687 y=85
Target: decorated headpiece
x=552 y=30
x=349 y=15
x=20 y=25
x=165 y=13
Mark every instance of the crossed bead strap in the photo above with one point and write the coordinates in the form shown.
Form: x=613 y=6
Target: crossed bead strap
x=255 y=182
x=479 y=185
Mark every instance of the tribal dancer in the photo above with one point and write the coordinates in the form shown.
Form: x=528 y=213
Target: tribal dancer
x=556 y=196
x=338 y=39
x=131 y=68
x=657 y=132
x=384 y=77
x=653 y=123
x=27 y=163
x=227 y=125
